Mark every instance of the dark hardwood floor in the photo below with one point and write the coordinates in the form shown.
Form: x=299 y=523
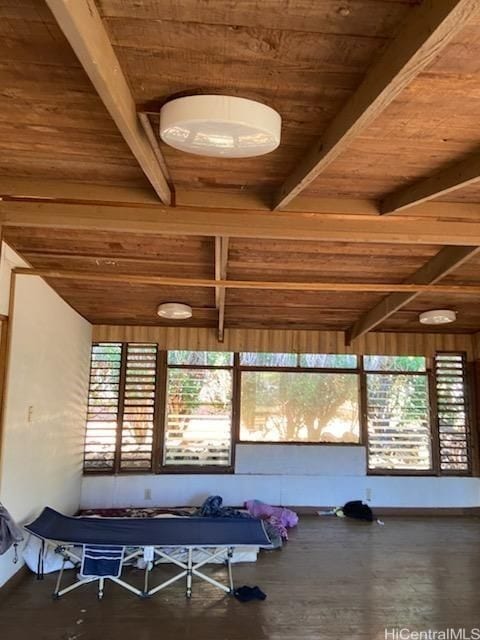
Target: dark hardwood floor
x=335 y=579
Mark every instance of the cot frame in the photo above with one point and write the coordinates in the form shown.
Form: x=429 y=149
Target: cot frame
x=189 y=569
x=68 y=555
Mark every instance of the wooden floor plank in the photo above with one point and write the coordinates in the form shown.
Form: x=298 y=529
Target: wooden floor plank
x=334 y=579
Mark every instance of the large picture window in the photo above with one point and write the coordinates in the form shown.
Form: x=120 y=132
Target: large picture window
x=299 y=407
x=185 y=411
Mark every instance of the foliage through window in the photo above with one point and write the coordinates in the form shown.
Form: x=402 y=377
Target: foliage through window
x=394 y=363
x=299 y=407
x=399 y=435
x=302 y=360
x=201 y=358
x=452 y=412
x=102 y=411
x=198 y=422
x=177 y=410
x=121 y=407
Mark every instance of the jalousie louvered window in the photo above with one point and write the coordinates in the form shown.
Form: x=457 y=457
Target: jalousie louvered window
x=103 y=407
x=121 y=407
x=452 y=412
x=138 y=411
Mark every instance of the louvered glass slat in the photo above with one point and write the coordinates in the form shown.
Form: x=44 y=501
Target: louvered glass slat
x=399 y=436
x=198 y=417
x=138 y=407
x=452 y=413
x=102 y=413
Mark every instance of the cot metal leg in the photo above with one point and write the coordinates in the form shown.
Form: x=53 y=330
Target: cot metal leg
x=59 y=579
x=189 y=569
x=211 y=556
x=189 y=573
x=229 y=568
x=101 y=584
x=75 y=585
x=148 y=568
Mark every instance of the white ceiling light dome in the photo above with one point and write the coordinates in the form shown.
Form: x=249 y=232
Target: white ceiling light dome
x=174 y=311
x=220 y=126
x=438 y=316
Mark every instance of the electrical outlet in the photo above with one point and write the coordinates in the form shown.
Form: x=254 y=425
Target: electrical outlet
x=368 y=494
x=30 y=413
x=147 y=494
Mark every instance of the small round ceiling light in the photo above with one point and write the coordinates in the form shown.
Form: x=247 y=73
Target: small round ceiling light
x=438 y=316
x=220 y=126
x=174 y=311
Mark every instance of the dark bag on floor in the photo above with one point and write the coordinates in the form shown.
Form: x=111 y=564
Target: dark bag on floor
x=357 y=509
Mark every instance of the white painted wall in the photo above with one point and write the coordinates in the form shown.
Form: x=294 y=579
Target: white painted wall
x=302 y=460
x=289 y=475
x=9 y=259
x=41 y=461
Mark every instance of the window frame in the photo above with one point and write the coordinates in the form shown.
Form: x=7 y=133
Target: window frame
x=299 y=369
x=185 y=469
x=160 y=413
x=432 y=471
x=121 y=374
x=117 y=454
x=469 y=417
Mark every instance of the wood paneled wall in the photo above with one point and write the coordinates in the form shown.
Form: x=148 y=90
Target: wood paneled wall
x=291 y=341
x=476 y=346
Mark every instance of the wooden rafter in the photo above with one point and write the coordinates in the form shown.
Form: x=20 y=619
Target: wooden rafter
x=443 y=263
x=235 y=223
x=449 y=179
x=334 y=287
x=429 y=28
x=221 y=260
x=83 y=27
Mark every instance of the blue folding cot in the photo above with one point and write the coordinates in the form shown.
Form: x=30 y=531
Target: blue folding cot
x=107 y=544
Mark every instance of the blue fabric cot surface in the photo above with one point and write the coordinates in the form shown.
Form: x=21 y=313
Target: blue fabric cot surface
x=160 y=532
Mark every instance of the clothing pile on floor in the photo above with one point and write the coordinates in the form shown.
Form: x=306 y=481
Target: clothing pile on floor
x=355 y=509
x=277 y=519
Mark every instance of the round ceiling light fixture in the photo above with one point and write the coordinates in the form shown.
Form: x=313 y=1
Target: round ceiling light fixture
x=174 y=311
x=438 y=316
x=220 y=126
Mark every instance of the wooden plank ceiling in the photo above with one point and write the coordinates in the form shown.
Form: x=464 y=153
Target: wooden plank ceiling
x=250 y=260
x=67 y=136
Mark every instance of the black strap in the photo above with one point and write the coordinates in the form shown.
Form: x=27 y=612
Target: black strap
x=40 y=561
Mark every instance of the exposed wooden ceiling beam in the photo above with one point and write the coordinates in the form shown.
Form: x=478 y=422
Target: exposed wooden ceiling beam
x=149 y=132
x=221 y=260
x=234 y=223
x=19 y=189
x=83 y=27
x=78 y=192
x=443 y=263
x=335 y=287
x=449 y=179
x=428 y=29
